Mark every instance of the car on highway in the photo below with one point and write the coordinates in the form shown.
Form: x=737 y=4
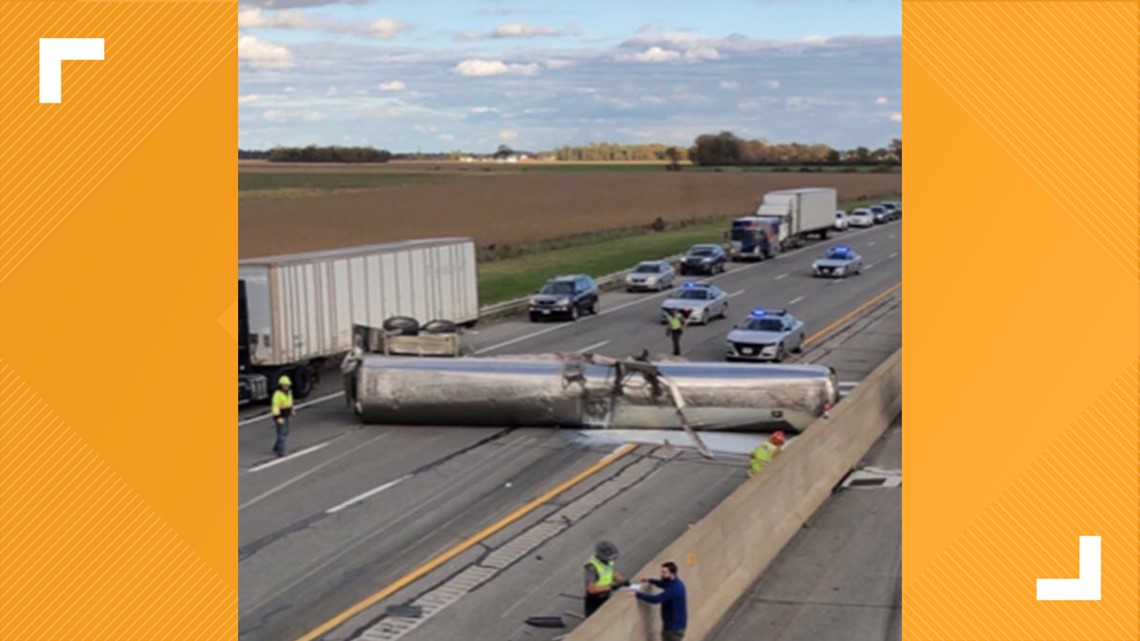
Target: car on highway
x=841 y=223
x=892 y=211
x=699 y=302
x=766 y=335
x=838 y=261
x=566 y=296
x=879 y=214
x=704 y=259
x=651 y=275
x=861 y=217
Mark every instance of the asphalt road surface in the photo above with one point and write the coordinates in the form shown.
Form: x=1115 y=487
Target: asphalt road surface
x=841 y=577
x=354 y=513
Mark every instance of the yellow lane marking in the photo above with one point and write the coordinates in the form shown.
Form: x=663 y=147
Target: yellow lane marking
x=424 y=569
x=848 y=316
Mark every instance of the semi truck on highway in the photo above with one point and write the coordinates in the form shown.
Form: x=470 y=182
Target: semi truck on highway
x=298 y=311
x=798 y=213
x=753 y=238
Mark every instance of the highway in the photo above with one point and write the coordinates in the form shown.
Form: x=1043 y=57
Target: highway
x=354 y=513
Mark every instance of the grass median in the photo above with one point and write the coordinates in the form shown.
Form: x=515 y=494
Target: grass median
x=512 y=278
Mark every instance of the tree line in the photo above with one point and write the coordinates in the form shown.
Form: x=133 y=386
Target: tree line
x=726 y=149
x=710 y=150
x=313 y=153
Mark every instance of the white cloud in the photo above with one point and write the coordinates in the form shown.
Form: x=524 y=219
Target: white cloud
x=515 y=30
x=387 y=29
x=748 y=105
x=729 y=85
x=559 y=64
x=774 y=84
x=277 y=115
x=289 y=89
x=897 y=116
x=881 y=100
x=263 y=54
x=702 y=53
x=331 y=92
x=248 y=99
x=395 y=85
x=652 y=54
x=255 y=19
x=816 y=40
x=653 y=100
x=493 y=68
x=508 y=134
x=484 y=110
x=446 y=137
x=466 y=36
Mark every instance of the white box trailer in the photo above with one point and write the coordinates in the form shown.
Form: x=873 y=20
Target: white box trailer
x=801 y=212
x=295 y=311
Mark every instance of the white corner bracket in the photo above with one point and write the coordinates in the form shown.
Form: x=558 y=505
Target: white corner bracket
x=1084 y=588
x=53 y=51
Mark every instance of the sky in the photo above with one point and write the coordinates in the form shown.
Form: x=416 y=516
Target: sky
x=471 y=75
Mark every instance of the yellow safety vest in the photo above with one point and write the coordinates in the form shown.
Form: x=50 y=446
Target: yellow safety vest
x=282 y=400
x=762 y=455
x=605 y=572
x=674 y=322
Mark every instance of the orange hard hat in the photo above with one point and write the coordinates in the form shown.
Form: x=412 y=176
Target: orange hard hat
x=777 y=438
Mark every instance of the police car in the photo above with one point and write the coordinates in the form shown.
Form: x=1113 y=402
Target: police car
x=766 y=335
x=699 y=301
x=838 y=261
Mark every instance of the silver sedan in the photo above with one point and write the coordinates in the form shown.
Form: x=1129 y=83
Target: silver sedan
x=698 y=301
x=652 y=276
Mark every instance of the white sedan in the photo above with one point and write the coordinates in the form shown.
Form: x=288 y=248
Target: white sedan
x=841 y=222
x=862 y=217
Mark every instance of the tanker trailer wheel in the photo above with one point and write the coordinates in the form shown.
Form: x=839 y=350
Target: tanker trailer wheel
x=303 y=382
x=439 y=326
x=404 y=325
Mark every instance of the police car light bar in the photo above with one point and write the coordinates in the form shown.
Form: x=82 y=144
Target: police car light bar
x=760 y=312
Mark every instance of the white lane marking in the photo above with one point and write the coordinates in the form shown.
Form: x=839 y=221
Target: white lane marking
x=594 y=346
x=780 y=277
x=370 y=493
x=292 y=456
x=796 y=300
x=868 y=265
x=871 y=244
x=895 y=255
x=271 y=492
x=300 y=406
x=735 y=294
x=892 y=236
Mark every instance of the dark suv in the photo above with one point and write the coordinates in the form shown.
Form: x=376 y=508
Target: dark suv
x=565 y=297
x=704 y=259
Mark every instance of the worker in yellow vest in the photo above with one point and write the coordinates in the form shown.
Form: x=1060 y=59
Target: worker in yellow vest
x=765 y=452
x=676 y=326
x=282 y=412
x=601 y=577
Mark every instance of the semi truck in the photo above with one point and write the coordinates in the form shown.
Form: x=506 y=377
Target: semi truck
x=799 y=213
x=753 y=238
x=296 y=312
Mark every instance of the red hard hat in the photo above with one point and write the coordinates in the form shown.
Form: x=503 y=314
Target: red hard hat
x=777 y=438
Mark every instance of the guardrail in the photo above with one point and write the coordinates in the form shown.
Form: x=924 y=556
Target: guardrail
x=723 y=554
x=608 y=282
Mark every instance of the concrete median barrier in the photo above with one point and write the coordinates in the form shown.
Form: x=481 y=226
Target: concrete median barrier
x=722 y=555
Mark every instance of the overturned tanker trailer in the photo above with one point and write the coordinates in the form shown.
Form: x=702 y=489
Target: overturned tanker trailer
x=588 y=391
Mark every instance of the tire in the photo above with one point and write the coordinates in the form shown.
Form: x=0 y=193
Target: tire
x=594 y=308
x=534 y=318
x=799 y=346
x=439 y=326
x=404 y=325
x=573 y=312
x=779 y=358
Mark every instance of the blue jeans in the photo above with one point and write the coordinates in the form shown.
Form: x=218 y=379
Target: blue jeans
x=282 y=434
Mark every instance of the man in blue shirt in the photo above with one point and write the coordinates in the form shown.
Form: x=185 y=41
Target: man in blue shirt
x=674 y=614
